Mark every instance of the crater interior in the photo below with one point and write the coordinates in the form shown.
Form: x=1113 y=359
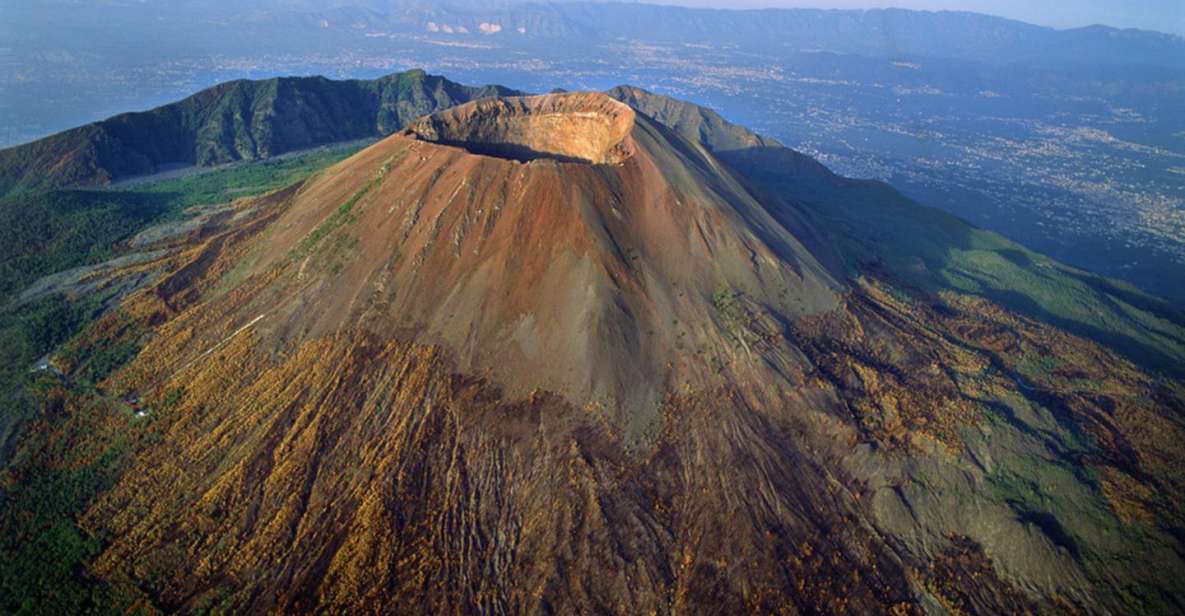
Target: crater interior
x=586 y=128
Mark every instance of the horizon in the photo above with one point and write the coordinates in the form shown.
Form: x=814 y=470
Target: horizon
x=840 y=310
x=1163 y=16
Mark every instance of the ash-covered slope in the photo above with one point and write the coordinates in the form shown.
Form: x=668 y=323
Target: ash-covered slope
x=870 y=224
x=559 y=242
x=692 y=122
x=544 y=354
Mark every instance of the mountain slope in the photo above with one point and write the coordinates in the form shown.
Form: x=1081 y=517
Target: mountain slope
x=545 y=354
x=933 y=250
x=548 y=354
x=694 y=123
x=546 y=273
x=871 y=224
x=236 y=120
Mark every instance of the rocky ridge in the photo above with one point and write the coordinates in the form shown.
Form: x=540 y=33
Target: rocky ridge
x=478 y=369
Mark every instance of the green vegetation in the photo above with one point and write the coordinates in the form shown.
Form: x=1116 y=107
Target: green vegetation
x=173 y=397
x=726 y=300
x=96 y=361
x=241 y=179
x=48 y=481
x=71 y=452
x=233 y=121
x=51 y=232
x=872 y=226
x=343 y=215
x=43 y=547
x=26 y=335
x=1038 y=366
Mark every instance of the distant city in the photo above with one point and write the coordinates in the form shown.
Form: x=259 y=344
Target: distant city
x=1085 y=163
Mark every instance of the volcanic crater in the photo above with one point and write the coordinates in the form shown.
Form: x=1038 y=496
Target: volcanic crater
x=434 y=379
x=588 y=128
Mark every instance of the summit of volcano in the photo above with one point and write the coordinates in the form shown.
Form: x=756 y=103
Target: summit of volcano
x=606 y=352
x=559 y=242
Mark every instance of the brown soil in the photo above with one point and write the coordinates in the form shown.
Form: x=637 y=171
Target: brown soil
x=435 y=380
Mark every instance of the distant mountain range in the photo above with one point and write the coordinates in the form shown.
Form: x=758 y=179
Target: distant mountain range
x=875 y=32
x=882 y=32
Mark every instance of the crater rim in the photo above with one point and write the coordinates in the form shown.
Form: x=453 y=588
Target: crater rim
x=580 y=128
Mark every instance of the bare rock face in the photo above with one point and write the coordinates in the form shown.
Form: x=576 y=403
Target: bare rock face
x=589 y=128
x=618 y=263
x=544 y=355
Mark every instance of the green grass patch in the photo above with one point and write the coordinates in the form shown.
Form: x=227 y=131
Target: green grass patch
x=42 y=549
x=1038 y=367
x=243 y=179
x=343 y=215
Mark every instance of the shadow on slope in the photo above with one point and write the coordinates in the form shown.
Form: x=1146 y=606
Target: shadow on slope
x=873 y=225
x=511 y=151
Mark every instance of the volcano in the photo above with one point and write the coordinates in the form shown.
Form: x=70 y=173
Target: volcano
x=548 y=354
x=560 y=242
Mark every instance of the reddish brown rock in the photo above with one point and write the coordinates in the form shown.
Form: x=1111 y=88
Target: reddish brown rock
x=541 y=355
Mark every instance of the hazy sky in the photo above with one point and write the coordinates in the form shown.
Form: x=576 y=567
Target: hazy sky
x=1161 y=15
